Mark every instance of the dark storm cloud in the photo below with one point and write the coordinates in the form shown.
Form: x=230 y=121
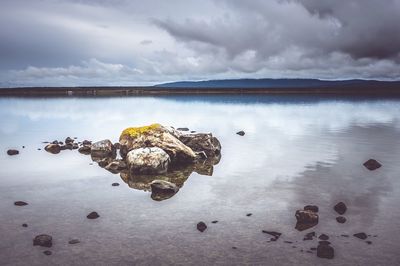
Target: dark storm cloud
x=53 y=41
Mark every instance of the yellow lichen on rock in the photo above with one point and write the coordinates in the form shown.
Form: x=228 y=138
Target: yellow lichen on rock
x=137 y=131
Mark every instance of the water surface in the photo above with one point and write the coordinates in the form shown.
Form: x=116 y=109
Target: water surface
x=296 y=151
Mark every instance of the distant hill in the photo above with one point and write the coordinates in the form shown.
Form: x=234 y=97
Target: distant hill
x=277 y=83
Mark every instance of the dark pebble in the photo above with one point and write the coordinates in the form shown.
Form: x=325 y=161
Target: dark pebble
x=234 y=247
x=309 y=236
x=313 y=248
x=201 y=226
x=275 y=235
x=308 y=251
x=368 y=242
x=39 y=149
x=43 y=240
x=24 y=225
x=324 y=242
x=249 y=214
x=345 y=235
x=182 y=129
x=240 y=133
x=340 y=208
x=115 y=184
x=341 y=219
x=323 y=237
x=23 y=147
x=20 y=203
x=288 y=242
x=93 y=215
x=361 y=235
x=372 y=164
x=214 y=222
x=12 y=152
x=73 y=241
x=47 y=252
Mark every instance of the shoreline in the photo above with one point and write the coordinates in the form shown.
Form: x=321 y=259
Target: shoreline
x=160 y=91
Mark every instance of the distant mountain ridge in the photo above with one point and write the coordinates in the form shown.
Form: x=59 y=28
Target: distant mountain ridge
x=274 y=83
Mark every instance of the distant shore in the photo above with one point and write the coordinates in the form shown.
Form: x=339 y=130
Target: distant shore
x=154 y=91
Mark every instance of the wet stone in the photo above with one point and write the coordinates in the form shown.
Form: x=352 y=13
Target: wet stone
x=115 y=184
x=340 y=208
x=309 y=236
x=325 y=251
x=201 y=226
x=214 y=222
x=240 y=133
x=312 y=208
x=275 y=235
x=47 y=252
x=341 y=219
x=361 y=235
x=12 y=152
x=43 y=240
x=73 y=241
x=93 y=215
x=249 y=214
x=20 y=203
x=24 y=225
x=372 y=164
x=323 y=237
x=368 y=242
x=288 y=242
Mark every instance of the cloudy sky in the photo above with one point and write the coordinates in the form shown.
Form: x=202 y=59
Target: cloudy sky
x=132 y=42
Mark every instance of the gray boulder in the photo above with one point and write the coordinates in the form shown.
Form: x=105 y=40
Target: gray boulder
x=148 y=161
x=103 y=148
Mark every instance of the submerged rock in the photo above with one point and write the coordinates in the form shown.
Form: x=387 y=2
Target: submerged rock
x=116 y=166
x=323 y=237
x=341 y=219
x=275 y=235
x=148 y=161
x=53 y=148
x=340 y=208
x=74 y=241
x=305 y=219
x=20 y=203
x=182 y=129
x=93 y=215
x=372 y=164
x=325 y=251
x=24 y=225
x=309 y=236
x=156 y=135
x=12 y=152
x=103 y=148
x=115 y=184
x=201 y=226
x=47 y=252
x=362 y=236
x=241 y=133
x=43 y=240
x=161 y=190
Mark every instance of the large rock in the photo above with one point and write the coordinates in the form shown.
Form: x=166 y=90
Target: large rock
x=156 y=135
x=202 y=142
x=148 y=161
x=372 y=164
x=103 y=148
x=43 y=240
x=161 y=190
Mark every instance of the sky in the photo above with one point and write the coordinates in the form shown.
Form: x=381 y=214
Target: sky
x=132 y=42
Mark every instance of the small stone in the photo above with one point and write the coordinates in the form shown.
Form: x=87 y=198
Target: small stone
x=74 y=241
x=288 y=242
x=201 y=226
x=325 y=251
x=214 y=222
x=240 y=133
x=305 y=219
x=68 y=140
x=53 y=148
x=313 y=249
x=20 y=203
x=275 y=235
x=43 y=240
x=309 y=251
x=368 y=242
x=361 y=235
x=324 y=242
x=309 y=236
x=86 y=150
x=345 y=235
x=115 y=184
x=372 y=164
x=93 y=215
x=47 y=252
x=12 y=152
x=182 y=129
x=312 y=208
x=86 y=143
x=23 y=147
x=234 y=247
x=340 y=208
x=249 y=214
x=323 y=237
x=24 y=225
x=341 y=219
x=39 y=149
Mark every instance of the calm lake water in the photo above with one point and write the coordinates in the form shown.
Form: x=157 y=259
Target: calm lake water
x=296 y=151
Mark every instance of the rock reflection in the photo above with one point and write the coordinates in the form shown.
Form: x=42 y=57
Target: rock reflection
x=176 y=175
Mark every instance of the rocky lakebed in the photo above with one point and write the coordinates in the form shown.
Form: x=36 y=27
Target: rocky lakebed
x=159 y=159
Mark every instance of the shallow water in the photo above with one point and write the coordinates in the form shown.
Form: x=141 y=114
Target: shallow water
x=296 y=151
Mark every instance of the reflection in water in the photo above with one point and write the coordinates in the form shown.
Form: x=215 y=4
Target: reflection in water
x=177 y=176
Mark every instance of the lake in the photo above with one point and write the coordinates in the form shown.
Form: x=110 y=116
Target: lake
x=297 y=150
